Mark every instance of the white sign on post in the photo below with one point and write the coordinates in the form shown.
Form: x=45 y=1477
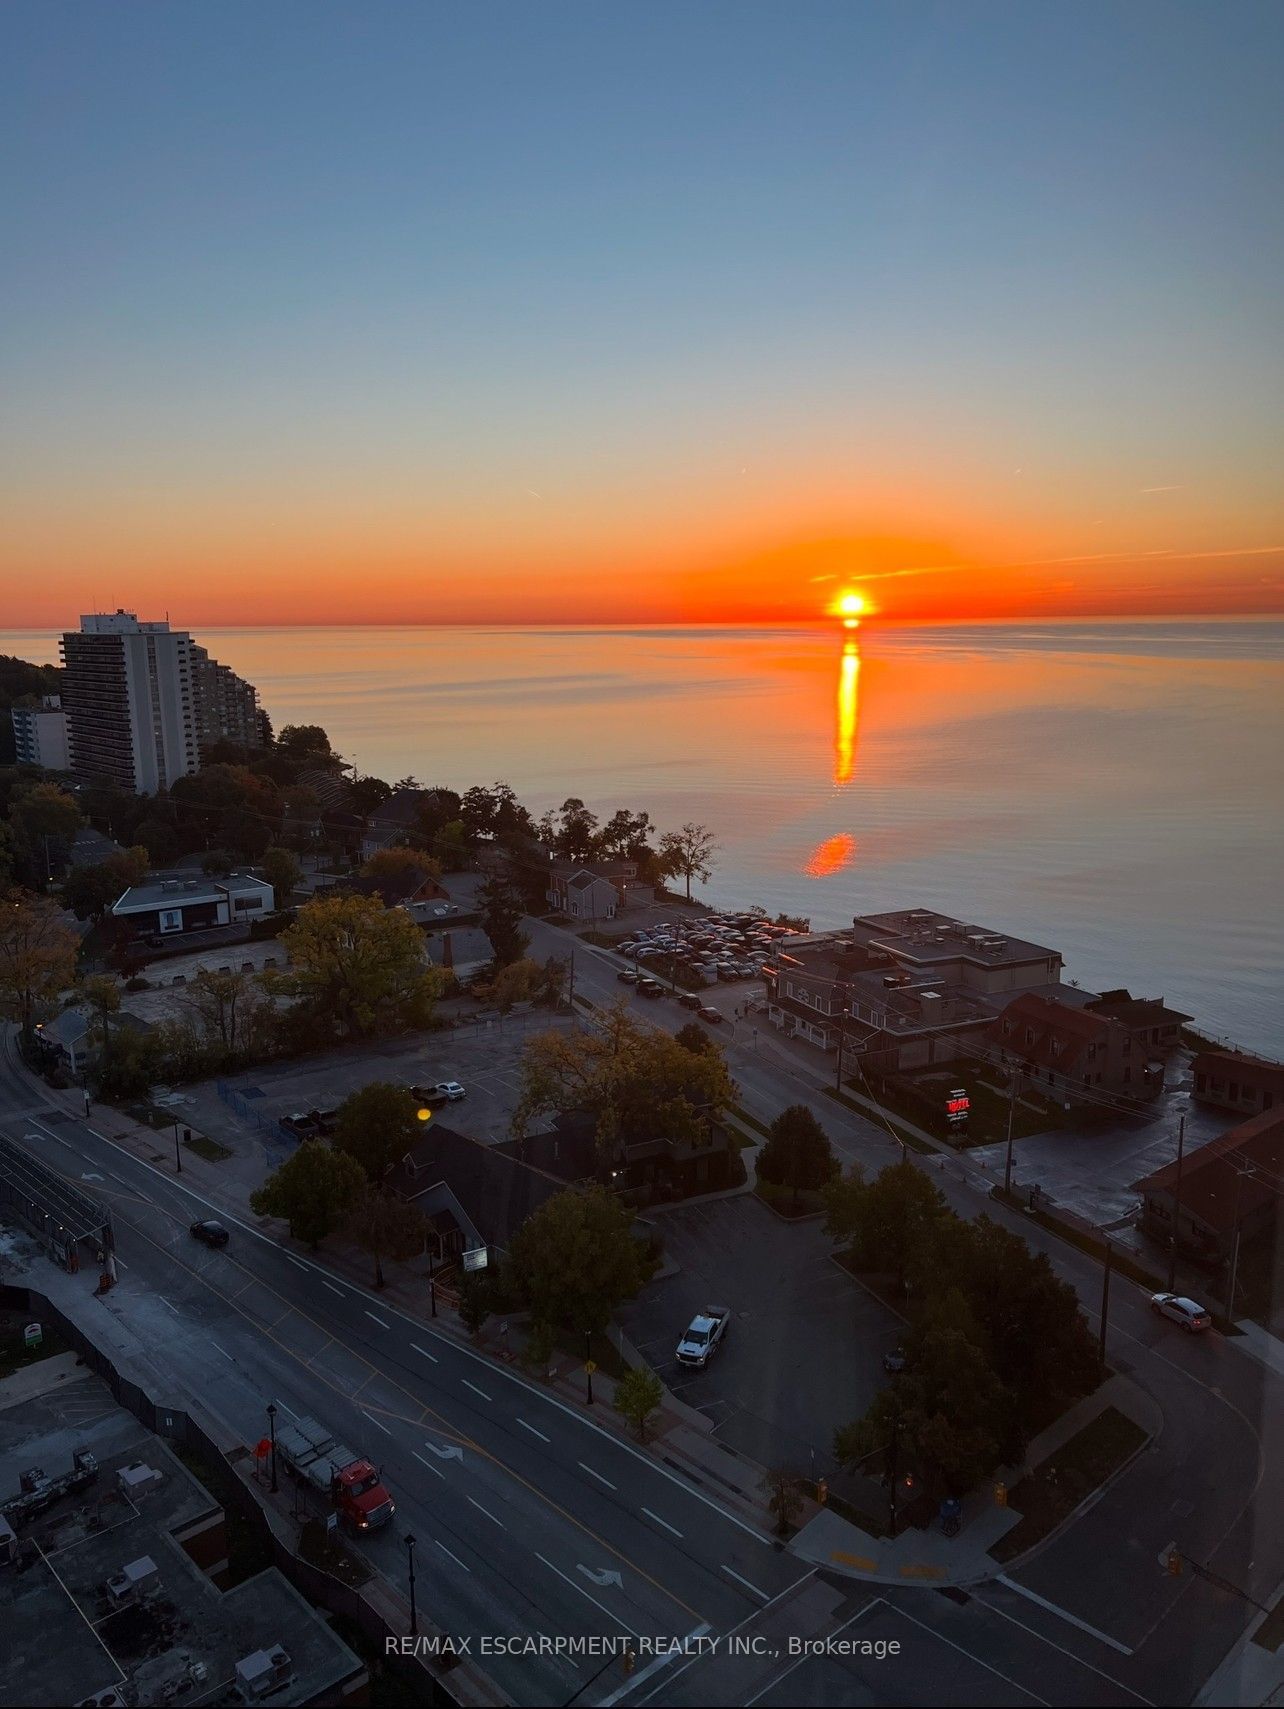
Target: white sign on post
x=477 y=1259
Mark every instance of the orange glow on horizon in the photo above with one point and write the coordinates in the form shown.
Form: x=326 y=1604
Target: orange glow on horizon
x=848 y=714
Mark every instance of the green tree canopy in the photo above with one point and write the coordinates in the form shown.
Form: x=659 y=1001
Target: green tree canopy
x=386 y=1227
x=315 y=1190
x=378 y=1125
x=90 y=890
x=887 y=1221
x=688 y=853
x=37 y=955
x=577 y=1258
x=282 y=870
x=637 y=1395
x=502 y=910
x=359 y=966
x=797 y=1153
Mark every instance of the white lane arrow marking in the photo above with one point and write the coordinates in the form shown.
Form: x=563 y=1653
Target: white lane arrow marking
x=600 y=1576
x=91 y=1177
x=445 y=1451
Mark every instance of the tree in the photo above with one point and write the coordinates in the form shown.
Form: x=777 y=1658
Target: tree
x=303 y=738
x=217 y=863
x=577 y=1258
x=282 y=870
x=516 y=983
x=625 y=835
x=102 y=999
x=576 y=835
x=636 y=1080
x=451 y=846
x=637 y=1394
x=696 y=1039
x=37 y=955
x=44 y=819
x=783 y=1497
x=948 y=1417
x=315 y=1190
x=386 y=1227
x=90 y=890
x=502 y=910
x=797 y=1153
x=228 y=1006
x=359 y=966
x=399 y=862
x=476 y=1302
x=553 y=981
x=378 y=1125
x=367 y=793
x=889 y=1221
x=688 y=854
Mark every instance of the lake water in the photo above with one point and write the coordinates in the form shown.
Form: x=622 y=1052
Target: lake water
x=1113 y=790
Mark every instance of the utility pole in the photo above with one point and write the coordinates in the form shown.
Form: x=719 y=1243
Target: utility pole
x=842 y=1036
x=570 y=988
x=1105 y=1306
x=1012 y=1103
x=1172 y=1249
x=410 y=1560
x=892 y=1470
x=178 y=1156
x=1241 y=1169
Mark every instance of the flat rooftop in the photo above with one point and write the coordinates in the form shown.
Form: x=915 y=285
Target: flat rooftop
x=921 y=934
x=65 y=1639
x=165 y=890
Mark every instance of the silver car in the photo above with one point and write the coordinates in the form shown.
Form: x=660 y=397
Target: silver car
x=1192 y=1316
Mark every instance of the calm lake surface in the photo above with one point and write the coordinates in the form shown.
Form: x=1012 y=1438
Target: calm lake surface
x=1113 y=790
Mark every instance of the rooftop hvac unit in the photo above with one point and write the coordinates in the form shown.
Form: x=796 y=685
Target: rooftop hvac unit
x=134 y=1580
x=110 y=1698
x=137 y=1479
x=263 y=1671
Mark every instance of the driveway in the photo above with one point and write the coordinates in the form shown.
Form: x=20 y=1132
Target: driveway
x=804 y=1351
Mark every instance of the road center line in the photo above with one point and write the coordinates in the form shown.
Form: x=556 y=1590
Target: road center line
x=1064 y=1614
x=428 y=1463
x=474 y=1388
x=446 y=1551
x=296 y=1261
x=425 y=1352
x=222 y=1350
x=732 y=1573
x=377 y=1320
x=332 y=1287
x=533 y=1430
x=659 y=1521
x=585 y=1467
x=375 y=1422
x=489 y=1514
x=165 y=1302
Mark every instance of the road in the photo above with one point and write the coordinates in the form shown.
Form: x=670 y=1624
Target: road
x=533 y=1519
x=1211 y=1481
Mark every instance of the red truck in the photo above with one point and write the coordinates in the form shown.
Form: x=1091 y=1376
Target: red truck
x=312 y=1456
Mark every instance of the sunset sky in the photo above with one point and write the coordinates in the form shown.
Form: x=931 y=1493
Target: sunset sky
x=561 y=312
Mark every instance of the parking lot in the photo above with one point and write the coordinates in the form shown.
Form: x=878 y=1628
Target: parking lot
x=803 y=1353
x=484 y=1057
x=713 y=949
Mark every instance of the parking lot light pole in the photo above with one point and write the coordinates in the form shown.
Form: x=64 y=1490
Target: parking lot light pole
x=410 y=1559
x=271 y=1412
x=1172 y=1244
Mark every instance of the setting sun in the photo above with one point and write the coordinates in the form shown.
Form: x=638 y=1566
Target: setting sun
x=851 y=607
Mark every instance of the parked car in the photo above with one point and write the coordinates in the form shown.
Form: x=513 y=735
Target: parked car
x=449 y=1091
x=708 y=1013
x=689 y=1000
x=650 y=988
x=628 y=975
x=210 y=1233
x=1189 y=1313
x=703 y=1336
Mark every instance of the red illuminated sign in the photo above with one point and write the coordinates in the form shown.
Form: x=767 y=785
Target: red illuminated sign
x=957 y=1105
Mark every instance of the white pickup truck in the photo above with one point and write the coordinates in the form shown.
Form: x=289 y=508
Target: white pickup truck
x=704 y=1336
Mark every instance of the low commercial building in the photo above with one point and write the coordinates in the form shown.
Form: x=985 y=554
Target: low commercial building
x=1228 y=1188
x=168 y=905
x=1233 y=1080
x=904 y=989
x=1075 y=1053
x=1151 y=1024
x=114 y=1575
x=462 y=952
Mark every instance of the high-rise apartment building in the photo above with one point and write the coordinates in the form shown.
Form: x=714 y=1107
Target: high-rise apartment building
x=142 y=700
x=40 y=734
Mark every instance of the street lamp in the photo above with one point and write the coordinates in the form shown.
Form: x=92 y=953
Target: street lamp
x=271 y=1411
x=178 y=1156
x=410 y=1558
